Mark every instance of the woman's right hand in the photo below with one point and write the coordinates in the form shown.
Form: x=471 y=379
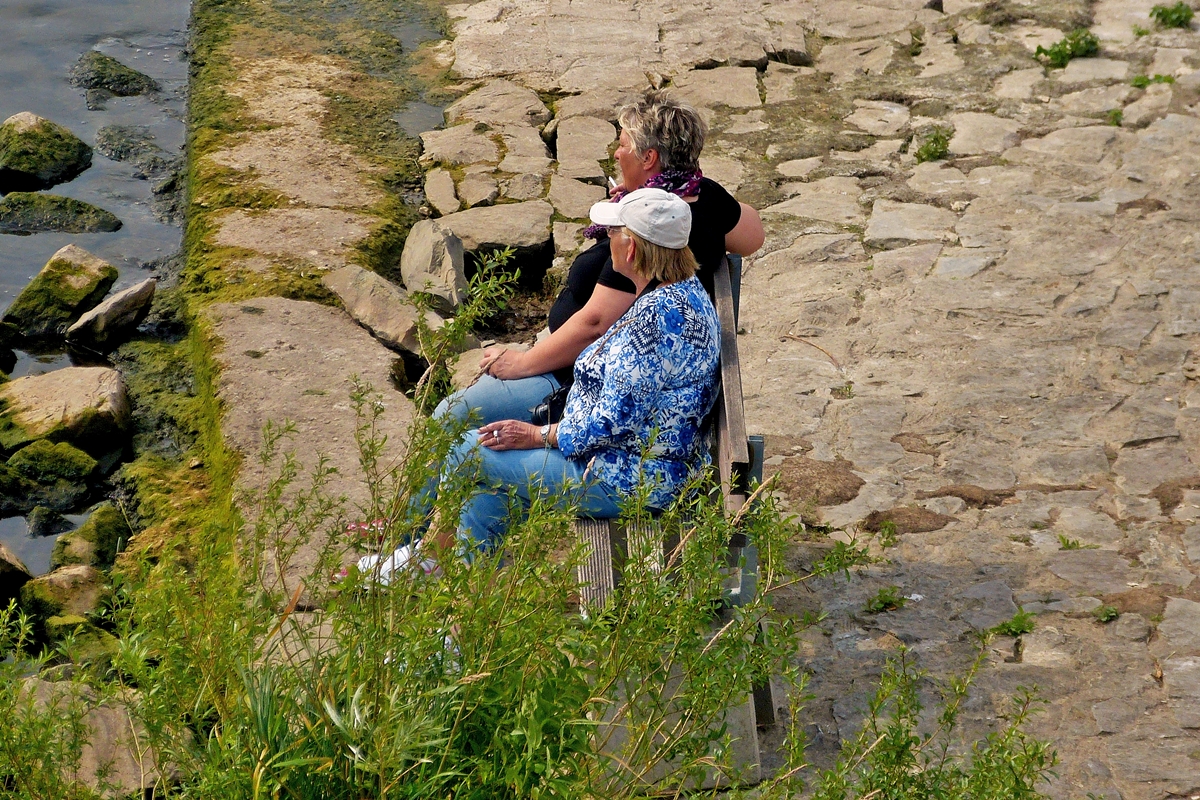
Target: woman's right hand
x=502 y=363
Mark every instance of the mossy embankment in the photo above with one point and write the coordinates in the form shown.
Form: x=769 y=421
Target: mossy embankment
x=181 y=481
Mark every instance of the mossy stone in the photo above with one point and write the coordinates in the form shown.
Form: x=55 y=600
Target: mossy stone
x=46 y=463
x=30 y=212
x=43 y=521
x=14 y=492
x=36 y=153
x=72 y=282
x=91 y=645
x=95 y=542
x=98 y=71
x=75 y=590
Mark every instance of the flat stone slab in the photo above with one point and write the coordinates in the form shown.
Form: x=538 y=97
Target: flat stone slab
x=1085 y=70
x=292 y=361
x=439 y=191
x=322 y=237
x=1097 y=571
x=735 y=87
x=895 y=224
x=829 y=199
x=519 y=225
x=84 y=403
x=1080 y=145
x=583 y=142
x=975 y=134
x=1180 y=627
x=457 y=146
x=879 y=118
x=573 y=199
x=499 y=102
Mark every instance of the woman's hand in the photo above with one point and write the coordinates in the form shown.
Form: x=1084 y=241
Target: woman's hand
x=510 y=434
x=507 y=365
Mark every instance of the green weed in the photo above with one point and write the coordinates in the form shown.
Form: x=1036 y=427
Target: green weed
x=886 y=599
x=1139 y=31
x=1115 y=117
x=1078 y=43
x=935 y=146
x=1142 y=81
x=1176 y=16
x=1106 y=613
x=1067 y=543
x=887 y=536
x=1020 y=624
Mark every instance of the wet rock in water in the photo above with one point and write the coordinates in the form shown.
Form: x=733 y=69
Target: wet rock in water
x=15 y=491
x=36 y=153
x=379 y=306
x=136 y=145
x=72 y=281
x=95 y=542
x=103 y=76
x=54 y=475
x=43 y=521
x=116 y=317
x=13 y=575
x=432 y=262
x=86 y=406
x=75 y=590
x=29 y=212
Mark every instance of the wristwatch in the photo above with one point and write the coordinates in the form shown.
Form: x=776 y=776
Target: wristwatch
x=545 y=436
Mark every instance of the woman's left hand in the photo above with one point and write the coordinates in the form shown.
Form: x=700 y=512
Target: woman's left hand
x=510 y=434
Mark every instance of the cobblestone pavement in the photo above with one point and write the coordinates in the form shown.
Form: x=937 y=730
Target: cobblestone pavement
x=999 y=343
x=992 y=350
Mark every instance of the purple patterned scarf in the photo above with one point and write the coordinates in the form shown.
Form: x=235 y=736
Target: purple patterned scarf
x=677 y=182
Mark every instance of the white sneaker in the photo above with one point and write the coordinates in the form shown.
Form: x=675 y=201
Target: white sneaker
x=380 y=568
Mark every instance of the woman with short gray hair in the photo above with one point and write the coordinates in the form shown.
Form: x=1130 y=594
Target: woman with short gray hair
x=660 y=144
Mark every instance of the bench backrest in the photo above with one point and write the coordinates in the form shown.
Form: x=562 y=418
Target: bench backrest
x=732 y=449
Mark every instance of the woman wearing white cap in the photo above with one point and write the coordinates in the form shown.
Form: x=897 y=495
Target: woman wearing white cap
x=660 y=146
x=634 y=413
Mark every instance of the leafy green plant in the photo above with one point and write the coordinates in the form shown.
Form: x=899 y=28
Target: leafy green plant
x=886 y=599
x=1106 y=613
x=1142 y=81
x=1176 y=16
x=888 y=536
x=1139 y=31
x=1020 y=624
x=1115 y=117
x=1067 y=543
x=936 y=145
x=1079 y=43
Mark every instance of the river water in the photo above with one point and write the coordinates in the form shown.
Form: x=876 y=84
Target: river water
x=40 y=40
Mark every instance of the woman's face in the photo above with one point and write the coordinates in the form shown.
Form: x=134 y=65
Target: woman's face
x=635 y=169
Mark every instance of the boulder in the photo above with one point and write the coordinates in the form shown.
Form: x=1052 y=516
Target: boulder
x=461 y=144
x=573 y=199
x=379 y=306
x=43 y=521
x=519 y=225
x=583 y=143
x=439 y=191
x=88 y=643
x=36 y=153
x=95 y=542
x=13 y=575
x=432 y=262
x=45 y=462
x=116 y=317
x=86 y=406
x=500 y=102
x=72 y=282
x=76 y=590
x=477 y=189
x=103 y=76
x=29 y=212
x=16 y=492
x=116 y=760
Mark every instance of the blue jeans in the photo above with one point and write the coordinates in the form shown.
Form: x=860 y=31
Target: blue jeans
x=528 y=474
x=492 y=399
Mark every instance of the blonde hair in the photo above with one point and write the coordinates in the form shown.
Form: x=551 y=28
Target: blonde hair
x=660 y=263
x=674 y=130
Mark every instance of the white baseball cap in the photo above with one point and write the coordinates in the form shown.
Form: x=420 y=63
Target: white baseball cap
x=655 y=215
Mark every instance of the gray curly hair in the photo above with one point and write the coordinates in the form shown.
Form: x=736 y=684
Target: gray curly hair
x=673 y=129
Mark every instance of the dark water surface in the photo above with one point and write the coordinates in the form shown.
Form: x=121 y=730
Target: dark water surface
x=39 y=43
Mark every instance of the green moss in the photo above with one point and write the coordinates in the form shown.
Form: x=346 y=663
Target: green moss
x=84 y=642
x=98 y=71
x=58 y=296
x=29 y=212
x=47 y=463
x=40 y=156
x=13 y=488
x=95 y=542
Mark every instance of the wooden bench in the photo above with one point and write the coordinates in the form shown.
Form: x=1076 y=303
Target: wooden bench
x=739 y=460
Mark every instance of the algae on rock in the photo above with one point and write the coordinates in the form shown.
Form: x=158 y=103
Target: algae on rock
x=72 y=282
x=95 y=542
x=36 y=153
x=45 y=462
x=29 y=212
x=103 y=76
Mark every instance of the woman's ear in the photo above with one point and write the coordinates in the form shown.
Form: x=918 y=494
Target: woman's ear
x=651 y=160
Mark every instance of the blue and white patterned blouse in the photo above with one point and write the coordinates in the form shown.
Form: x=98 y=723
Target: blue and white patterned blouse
x=655 y=371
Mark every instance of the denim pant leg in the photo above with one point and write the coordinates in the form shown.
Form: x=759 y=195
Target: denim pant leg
x=493 y=399
x=485 y=516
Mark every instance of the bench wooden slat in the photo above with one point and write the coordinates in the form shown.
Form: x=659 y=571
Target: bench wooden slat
x=733 y=453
